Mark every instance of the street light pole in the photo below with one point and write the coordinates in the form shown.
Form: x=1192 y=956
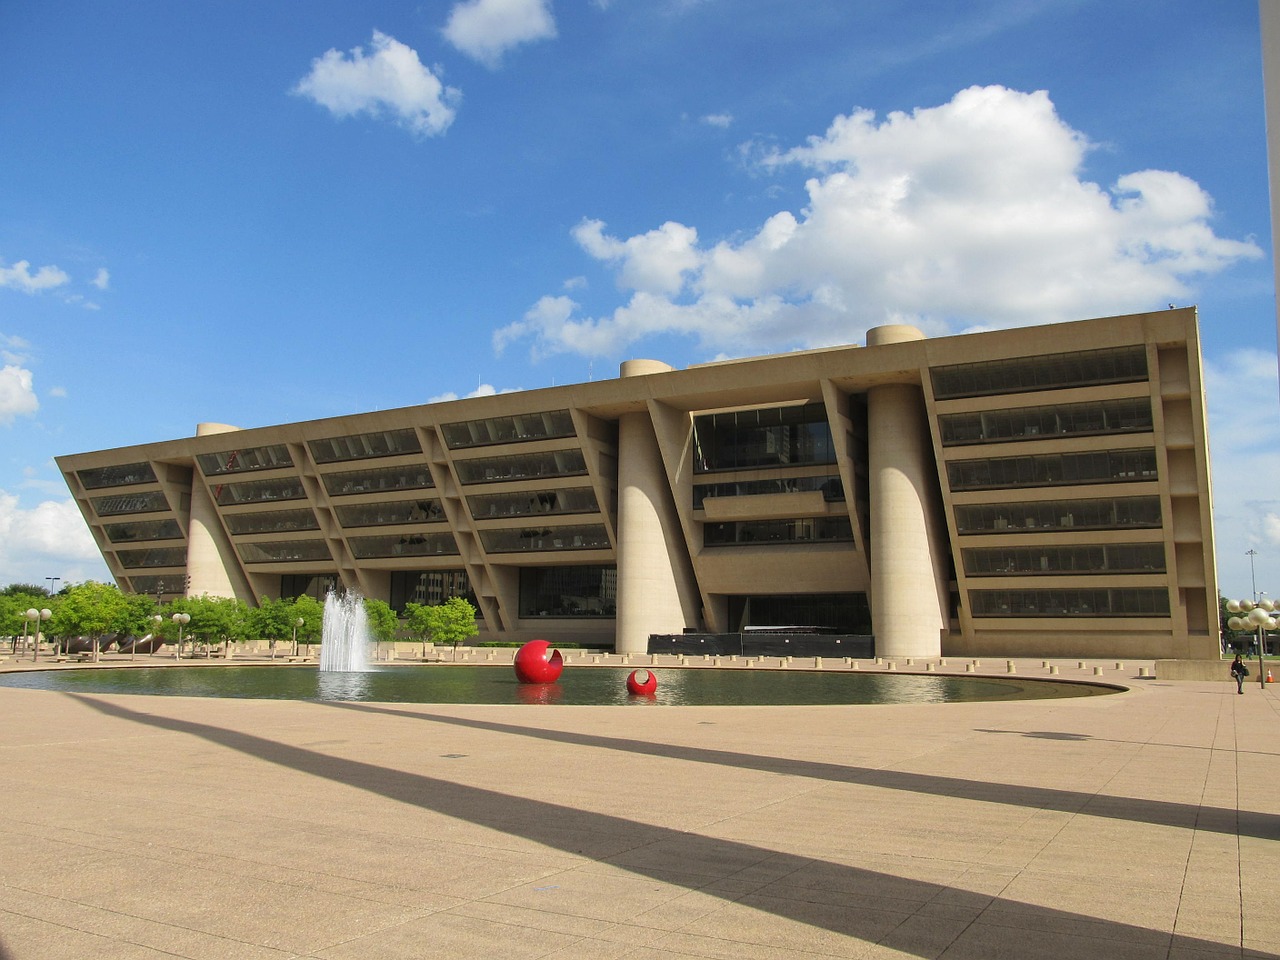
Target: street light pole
x=181 y=619
x=53 y=588
x=1253 y=582
x=1257 y=617
x=35 y=616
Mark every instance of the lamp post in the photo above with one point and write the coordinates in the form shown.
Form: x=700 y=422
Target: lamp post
x=296 y=624
x=53 y=588
x=35 y=616
x=155 y=632
x=1252 y=616
x=181 y=619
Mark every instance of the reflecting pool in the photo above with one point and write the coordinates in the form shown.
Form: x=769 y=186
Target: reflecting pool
x=576 y=687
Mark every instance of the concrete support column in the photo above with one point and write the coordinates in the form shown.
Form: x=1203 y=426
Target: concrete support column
x=908 y=588
x=209 y=553
x=654 y=592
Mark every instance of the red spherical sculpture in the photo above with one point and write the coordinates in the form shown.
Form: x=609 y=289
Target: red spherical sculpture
x=534 y=664
x=640 y=687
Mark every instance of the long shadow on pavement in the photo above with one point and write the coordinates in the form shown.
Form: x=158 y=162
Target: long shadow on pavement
x=872 y=906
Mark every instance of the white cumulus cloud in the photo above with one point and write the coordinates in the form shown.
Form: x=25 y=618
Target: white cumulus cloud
x=17 y=398
x=48 y=539
x=486 y=29
x=20 y=277
x=101 y=279
x=721 y=120
x=390 y=79
x=972 y=214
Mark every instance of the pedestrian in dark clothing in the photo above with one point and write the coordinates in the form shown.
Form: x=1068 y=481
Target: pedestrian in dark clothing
x=1239 y=671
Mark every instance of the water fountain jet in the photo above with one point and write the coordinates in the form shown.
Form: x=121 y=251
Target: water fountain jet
x=344 y=637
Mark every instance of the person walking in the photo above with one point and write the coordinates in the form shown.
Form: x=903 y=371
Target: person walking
x=1239 y=671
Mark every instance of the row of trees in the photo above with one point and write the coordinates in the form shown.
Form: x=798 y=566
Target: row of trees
x=97 y=610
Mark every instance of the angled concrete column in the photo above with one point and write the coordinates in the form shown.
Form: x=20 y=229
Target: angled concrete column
x=908 y=588
x=653 y=595
x=210 y=555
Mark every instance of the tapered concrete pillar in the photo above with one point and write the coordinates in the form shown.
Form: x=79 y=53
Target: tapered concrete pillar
x=655 y=589
x=210 y=555
x=908 y=585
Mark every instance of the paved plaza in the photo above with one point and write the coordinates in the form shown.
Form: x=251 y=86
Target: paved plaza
x=1140 y=825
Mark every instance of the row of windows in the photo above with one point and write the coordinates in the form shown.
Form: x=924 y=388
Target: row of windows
x=581 y=537
x=155 y=557
x=363 y=446
x=1072 y=558
x=159 y=586
x=1023 y=374
x=988 y=426
x=153 y=501
x=275 y=521
x=551 y=463
x=285 y=550
x=1107 y=514
x=255 y=458
x=1118 y=602
x=831 y=487
x=143 y=530
x=549 y=425
x=120 y=475
x=430 y=588
x=400 y=511
x=755 y=532
x=414 y=545
x=1053 y=469
x=768 y=437
x=259 y=491
x=351 y=482
x=572 y=500
x=589 y=590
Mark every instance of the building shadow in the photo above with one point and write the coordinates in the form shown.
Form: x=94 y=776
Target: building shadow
x=871 y=906
x=1157 y=812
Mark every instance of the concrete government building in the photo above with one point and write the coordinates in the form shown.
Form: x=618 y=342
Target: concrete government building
x=1041 y=491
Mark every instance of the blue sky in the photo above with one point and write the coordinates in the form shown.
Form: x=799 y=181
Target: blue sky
x=264 y=212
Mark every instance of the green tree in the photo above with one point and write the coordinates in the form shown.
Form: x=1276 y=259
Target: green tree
x=383 y=622
x=450 y=622
x=273 y=621
x=94 y=610
x=13 y=606
x=311 y=612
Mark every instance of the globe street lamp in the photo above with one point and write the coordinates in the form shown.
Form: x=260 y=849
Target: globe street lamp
x=296 y=624
x=1250 y=616
x=35 y=616
x=181 y=619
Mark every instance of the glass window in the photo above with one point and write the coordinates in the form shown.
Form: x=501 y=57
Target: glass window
x=768 y=437
x=531 y=502
x=577 y=591
x=551 y=463
x=847 y=613
x=1112 y=513
x=430 y=588
x=275 y=521
x=404 y=545
x=831 y=487
x=362 y=446
x=259 y=491
x=774 y=532
x=166 y=585
x=119 y=475
x=317 y=586
x=143 y=530
x=1029 y=423
x=283 y=551
x=1056 y=371
x=348 y=483
x=549 y=425
x=156 y=557
x=254 y=458
x=1064 y=558
x=1054 y=469
x=1099 y=602
x=397 y=511
x=151 y=502
x=524 y=539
